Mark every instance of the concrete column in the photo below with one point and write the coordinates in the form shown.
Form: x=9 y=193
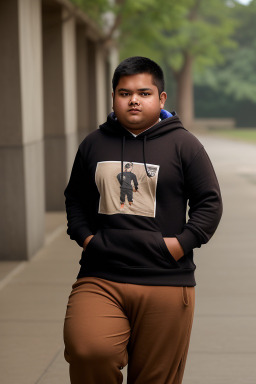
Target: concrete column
x=94 y=73
x=101 y=85
x=82 y=80
x=70 y=89
x=108 y=86
x=60 y=110
x=92 y=102
x=21 y=145
x=112 y=63
x=93 y=84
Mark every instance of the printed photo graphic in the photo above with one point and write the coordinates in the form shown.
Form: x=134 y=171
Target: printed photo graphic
x=129 y=190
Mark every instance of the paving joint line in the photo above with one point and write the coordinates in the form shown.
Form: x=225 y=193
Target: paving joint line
x=48 y=366
x=48 y=240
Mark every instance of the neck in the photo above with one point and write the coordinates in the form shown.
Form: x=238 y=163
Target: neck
x=138 y=131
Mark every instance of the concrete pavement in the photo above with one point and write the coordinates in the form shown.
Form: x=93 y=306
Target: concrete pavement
x=33 y=294
x=223 y=343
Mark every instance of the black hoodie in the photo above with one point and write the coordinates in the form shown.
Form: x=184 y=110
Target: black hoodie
x=130 y=192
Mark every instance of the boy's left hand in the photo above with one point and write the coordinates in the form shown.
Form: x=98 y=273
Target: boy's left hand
x=174 y=247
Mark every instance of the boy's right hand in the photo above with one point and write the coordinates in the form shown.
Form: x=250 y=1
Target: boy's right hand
x=87 y=241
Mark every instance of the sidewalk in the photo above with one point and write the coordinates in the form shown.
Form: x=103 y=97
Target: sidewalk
x=33 y=295
x=32 y=300
x=223 y=343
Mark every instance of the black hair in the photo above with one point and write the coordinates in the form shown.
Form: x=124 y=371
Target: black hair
x=138 y=64
x=128 y=165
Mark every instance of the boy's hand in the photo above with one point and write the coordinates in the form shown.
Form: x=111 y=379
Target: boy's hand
x=174 y=247
x=87 y=241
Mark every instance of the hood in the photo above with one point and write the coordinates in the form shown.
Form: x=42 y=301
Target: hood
x=169 y=121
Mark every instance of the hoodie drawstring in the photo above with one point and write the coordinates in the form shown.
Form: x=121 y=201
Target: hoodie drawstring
x=144 y=155
x=144 y=158
x=122 y=161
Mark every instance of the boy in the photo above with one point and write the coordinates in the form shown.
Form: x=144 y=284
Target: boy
x=126 y=188
x=133 y=300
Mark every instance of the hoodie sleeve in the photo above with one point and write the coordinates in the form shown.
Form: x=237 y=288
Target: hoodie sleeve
x=76 y=193
x=205 y=203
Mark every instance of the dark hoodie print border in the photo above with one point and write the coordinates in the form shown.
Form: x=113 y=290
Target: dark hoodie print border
x=130 y=192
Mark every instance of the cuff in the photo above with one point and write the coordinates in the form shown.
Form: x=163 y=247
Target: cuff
x=187 y=240
x=81 y=236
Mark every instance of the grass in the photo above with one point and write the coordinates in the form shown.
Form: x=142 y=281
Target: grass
x=248 y=135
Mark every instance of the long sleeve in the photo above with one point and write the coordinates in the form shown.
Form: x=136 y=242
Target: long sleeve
x=205 y=203
x=77 y=194
x=135 y=181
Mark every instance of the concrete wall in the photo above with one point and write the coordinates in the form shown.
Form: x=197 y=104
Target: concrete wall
x=92 y=102
x=21 y=144
x=52 y=93
x=82 y=81
x=60 y=100
x=101 y=84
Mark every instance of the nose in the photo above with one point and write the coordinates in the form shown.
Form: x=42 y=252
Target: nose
x=134 y=100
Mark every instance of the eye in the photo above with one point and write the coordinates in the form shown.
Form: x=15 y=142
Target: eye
x=124 y=94
x=145 y=94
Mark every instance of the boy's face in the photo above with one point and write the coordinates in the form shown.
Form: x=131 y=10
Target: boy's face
x=136 y=102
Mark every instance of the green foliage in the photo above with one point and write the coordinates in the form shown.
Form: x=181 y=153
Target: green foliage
x=247 y=135
x=169 y=29
x=166 y=30
x=236 y=77
x=220 y=36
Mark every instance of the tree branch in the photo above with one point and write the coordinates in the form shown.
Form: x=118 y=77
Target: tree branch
x=194 y=10
x=108 y=39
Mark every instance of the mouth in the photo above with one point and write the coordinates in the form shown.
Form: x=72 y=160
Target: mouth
x=134 y=110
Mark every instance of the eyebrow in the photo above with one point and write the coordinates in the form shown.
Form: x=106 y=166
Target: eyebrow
x=128 y=90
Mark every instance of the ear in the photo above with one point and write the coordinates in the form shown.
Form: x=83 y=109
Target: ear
x=163 y=98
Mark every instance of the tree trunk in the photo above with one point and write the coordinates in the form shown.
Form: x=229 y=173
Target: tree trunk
x=184 y=93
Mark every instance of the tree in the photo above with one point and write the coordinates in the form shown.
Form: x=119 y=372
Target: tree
x=176 y=34
x=193 y=34
x=236 y=77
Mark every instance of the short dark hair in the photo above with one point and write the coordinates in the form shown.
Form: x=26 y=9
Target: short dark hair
x=138 y=64
x=128 y=165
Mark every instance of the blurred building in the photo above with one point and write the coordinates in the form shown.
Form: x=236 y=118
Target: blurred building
x=55 y=84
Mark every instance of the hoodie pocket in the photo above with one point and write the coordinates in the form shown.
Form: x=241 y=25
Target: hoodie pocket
x=124 y=248
x=165 y=251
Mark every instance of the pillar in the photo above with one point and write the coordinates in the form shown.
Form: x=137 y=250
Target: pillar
x=60 y=96
x=101 y=85
x=112 y=63
x=82 y=81
x=93 y=107
x=21 y=135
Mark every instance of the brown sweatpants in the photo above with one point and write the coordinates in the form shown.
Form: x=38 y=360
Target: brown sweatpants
x=110 y=324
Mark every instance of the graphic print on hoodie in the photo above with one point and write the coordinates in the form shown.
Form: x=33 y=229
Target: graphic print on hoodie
x=128 y=192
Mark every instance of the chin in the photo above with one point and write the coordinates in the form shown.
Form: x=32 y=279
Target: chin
x=133 y=125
